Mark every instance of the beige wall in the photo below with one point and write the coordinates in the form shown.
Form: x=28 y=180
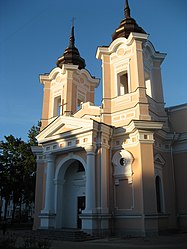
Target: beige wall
x=137 y=179
x=137 y=199
x=180 y=162
x=148 y=179
x=178 y=125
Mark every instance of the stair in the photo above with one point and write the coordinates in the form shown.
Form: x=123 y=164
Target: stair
x=62 y=235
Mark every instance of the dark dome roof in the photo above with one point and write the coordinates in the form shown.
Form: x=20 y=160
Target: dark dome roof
x=127 y=25
x=71 y=54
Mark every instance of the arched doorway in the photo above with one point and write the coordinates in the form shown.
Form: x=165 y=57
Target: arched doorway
x=71 y=187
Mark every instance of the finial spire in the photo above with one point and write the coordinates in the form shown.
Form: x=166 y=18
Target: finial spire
x=127 y=10
x=127 y=25
x=71 y=54
x=72 y=37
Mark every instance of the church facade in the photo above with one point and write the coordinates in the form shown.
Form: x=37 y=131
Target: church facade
x=117 y=168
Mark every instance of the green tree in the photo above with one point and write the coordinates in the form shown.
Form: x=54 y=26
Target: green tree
x=33 y=132
x=8 y=161
x=17 y=172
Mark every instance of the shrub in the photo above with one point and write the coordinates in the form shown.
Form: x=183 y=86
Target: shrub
x=10 y=241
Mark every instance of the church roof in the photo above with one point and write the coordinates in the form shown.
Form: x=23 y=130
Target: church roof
x=71 y=54
x=127 y=25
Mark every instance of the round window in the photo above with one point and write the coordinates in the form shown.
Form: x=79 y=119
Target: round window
x=123 y=161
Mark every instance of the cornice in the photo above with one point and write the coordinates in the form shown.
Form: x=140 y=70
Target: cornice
x=144 y=125
x=37 y=149
x=177 y=108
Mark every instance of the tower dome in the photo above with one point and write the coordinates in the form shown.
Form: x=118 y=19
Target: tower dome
x=127 y=25
x=71 y=54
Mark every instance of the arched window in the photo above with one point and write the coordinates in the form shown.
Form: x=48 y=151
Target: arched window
x=123 y=86
x=159 y=196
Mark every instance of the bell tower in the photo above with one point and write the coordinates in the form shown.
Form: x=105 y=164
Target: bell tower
x=133 y=105
x=126 y=82
x=67 y=86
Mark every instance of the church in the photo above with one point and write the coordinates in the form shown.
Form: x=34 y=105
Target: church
x=119 y=168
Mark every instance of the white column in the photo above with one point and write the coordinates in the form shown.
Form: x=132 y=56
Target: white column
x=90 y=181
x=47 y=215
x=49 y=193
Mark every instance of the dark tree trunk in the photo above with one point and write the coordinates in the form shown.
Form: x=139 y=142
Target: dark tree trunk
x=5 y=210
x=20 y=202
x=13 y=212
x=1 y=203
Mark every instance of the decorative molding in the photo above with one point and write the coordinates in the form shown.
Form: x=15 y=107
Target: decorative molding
x=50 y=157
x=90 y=149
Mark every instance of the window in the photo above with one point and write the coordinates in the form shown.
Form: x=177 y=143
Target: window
x=80 y=101
x=148 y=84
x=123 y=87
x=57 y=111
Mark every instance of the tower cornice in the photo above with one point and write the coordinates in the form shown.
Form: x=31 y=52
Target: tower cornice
x=117 y=42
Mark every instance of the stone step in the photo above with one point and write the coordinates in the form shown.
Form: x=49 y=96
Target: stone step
x=63 y=235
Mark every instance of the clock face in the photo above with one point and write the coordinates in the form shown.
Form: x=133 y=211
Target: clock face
x=123 y=161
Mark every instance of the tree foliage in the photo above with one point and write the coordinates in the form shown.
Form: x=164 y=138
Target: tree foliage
x=33 y=132
x=18 y=170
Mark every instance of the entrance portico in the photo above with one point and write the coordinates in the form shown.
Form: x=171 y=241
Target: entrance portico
x=70 y=184
x=70 y=194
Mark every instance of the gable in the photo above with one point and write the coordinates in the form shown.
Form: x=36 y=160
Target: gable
x=63 y=127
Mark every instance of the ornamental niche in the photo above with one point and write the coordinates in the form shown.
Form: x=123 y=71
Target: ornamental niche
x=122 y=161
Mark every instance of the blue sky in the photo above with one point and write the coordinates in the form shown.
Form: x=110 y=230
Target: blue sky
x=33 y=34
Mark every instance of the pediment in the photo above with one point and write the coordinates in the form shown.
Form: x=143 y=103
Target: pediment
x=63 y=127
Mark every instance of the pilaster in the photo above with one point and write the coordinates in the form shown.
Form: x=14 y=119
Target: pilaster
x=47 y=215
x=89 y=216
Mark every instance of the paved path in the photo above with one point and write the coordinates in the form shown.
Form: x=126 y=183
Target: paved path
x=178 y=241
x=175 y=241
